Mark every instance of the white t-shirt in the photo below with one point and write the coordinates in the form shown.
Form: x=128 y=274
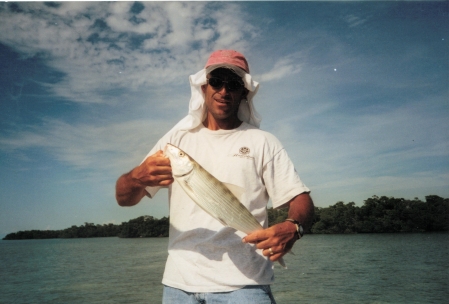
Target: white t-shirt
x=204 y=255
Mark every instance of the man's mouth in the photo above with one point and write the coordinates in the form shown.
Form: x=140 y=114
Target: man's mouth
x=222 y=101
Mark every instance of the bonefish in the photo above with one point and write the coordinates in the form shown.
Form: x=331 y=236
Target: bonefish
x=213 y=196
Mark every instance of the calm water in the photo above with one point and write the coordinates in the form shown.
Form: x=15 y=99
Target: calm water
x=377 y=268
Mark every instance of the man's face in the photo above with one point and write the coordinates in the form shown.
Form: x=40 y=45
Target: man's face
x=223 y=103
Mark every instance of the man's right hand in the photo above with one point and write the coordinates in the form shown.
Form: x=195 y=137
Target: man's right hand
x=154 y=171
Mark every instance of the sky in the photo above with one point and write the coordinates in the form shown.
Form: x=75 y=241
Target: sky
x=357 y=92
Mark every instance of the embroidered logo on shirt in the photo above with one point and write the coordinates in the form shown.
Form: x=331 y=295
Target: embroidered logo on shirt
x=244 y=150
x=243 y=153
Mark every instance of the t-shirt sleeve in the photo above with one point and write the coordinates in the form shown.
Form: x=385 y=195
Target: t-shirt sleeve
x=281 y=179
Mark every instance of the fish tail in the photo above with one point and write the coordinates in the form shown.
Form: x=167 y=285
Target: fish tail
x=282 y=263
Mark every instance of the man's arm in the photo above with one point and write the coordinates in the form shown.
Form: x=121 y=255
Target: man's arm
x=301 y=209
x=129 y=191
x=154 y=171
x=281 y=237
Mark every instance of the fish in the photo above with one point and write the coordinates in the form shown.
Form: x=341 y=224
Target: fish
x=218 y=199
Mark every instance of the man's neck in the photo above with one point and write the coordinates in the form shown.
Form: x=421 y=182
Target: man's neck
x=228 y=124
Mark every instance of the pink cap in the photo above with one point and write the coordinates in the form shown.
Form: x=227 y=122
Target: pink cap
x=229 y=57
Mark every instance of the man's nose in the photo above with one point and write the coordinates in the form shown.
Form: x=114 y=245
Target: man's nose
x=224 y=90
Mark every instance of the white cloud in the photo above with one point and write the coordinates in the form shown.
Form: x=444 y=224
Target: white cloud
x=108 y=148
x=102 y=47
x=354 y=21
x=284 y=67
x=279 y=71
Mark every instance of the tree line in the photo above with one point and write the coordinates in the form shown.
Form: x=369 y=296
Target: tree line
x=376 y=215
x=384 y=214
x=143 y=226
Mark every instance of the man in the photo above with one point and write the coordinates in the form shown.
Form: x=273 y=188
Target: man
x=207 y=262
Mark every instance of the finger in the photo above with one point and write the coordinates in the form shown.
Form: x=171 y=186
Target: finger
x=159 y=153
x=273 y=250
x=153 y=177
x=276 y=256
x=273 y=254
x=160 y=161
x=268 y=243
x=158 y=164
x=166 y=177
x=161 y=170
x=166 y=182
x=163 y=179
x=255 y=237
x=268 y=252
x=158 y=158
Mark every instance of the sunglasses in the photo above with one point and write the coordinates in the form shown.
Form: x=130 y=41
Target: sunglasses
x=231 y=85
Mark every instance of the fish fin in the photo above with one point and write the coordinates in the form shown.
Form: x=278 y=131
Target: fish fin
x=282 y=263
x=236 y=190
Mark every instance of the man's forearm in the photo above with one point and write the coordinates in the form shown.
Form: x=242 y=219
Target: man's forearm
x=301 y=208
x=128 y=191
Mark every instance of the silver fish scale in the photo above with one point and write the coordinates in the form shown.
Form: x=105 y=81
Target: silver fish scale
x=217 y=200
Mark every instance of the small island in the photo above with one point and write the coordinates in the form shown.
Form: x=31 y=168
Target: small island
x=377 y=215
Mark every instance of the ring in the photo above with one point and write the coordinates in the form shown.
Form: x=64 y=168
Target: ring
x=271 y=251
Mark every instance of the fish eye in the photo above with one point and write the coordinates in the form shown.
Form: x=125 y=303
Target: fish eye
x=181 y=153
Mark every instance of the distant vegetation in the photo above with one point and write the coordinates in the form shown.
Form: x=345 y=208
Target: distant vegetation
x=384 y=214
x=377 y=215
x=143 y=226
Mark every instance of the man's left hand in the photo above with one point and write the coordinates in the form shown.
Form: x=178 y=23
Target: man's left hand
x=275 y=241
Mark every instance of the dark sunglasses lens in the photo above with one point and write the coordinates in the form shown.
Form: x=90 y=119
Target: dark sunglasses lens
x=215 y=82
x=234 y=85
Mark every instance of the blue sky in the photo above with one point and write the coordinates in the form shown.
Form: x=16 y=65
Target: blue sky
x=356 y=91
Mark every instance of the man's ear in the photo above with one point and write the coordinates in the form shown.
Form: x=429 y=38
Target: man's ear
x=203 y=88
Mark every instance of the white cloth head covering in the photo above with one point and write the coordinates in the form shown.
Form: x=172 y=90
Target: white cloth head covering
x=197 y=108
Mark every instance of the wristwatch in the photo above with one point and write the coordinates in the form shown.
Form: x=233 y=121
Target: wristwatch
x=299 y=228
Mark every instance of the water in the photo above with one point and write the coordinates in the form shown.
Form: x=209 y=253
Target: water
x=368 y=268
x=100 y=270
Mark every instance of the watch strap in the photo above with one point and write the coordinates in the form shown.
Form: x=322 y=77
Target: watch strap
x=299 y=229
